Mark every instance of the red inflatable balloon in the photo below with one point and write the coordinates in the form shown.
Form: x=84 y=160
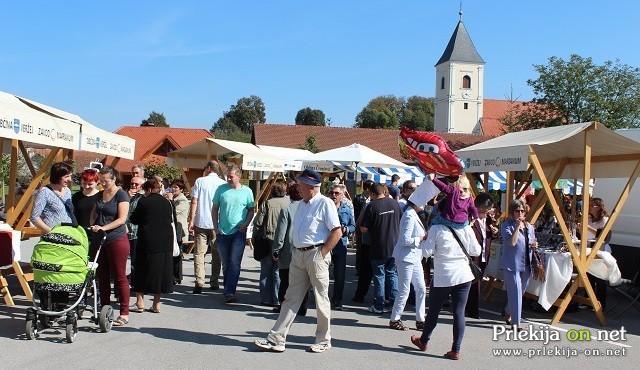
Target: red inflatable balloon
x=429 y=151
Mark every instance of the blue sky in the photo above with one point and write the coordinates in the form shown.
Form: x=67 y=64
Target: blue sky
x=114 y=62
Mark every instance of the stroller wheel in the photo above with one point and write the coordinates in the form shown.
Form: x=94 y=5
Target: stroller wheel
x=31 y=329
x=71 y=331
x=106 y=318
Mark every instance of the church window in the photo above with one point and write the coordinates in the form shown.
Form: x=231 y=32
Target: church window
x=466 y=105
x=466 y=82
x=442 y=83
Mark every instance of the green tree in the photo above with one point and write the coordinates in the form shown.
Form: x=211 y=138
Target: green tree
x=310 y=117
x=381 y=112
x=237 y=123
x=578 y=90
x=310 y=144
x=5 y=167
x=155 y=119
x=418 y=113
x=162 y=170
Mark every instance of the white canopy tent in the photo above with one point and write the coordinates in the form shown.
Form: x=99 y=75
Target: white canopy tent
x=25 y=123
x=197 y=154
x=355 y=155
x=579 y=151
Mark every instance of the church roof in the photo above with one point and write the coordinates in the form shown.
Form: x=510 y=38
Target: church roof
x=460 y=48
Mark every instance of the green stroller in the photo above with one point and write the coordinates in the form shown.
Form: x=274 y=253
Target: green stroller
x=64 y=282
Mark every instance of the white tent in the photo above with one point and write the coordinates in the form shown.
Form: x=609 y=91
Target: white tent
x=580 y=151
x=355 y=155
x=42 y=124
x=197 y=154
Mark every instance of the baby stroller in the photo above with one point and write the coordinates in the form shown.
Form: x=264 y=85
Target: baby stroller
x=62 y=273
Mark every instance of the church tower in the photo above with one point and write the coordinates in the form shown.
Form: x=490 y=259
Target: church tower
x=459 y=85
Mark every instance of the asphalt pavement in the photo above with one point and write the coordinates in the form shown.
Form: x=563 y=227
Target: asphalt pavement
x=197 y=331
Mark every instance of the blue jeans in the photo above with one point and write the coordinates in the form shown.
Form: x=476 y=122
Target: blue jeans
x=231 y=248
x=385 y=281
x=269 y=280
x=339 y=259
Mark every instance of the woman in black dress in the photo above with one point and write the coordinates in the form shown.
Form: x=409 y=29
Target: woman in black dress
x=153 y=272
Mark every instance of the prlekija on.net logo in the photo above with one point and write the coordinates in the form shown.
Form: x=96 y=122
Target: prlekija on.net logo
x=545 y=334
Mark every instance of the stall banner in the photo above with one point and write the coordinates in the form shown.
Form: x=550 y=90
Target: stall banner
x=261 y=163
x=104 y=142
x=506 y=159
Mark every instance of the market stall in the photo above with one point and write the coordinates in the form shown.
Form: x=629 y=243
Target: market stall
x=579 y=151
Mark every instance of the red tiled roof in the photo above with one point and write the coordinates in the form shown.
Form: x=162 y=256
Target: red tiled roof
x=327 y=137
x=494 y=109
x=149 y=138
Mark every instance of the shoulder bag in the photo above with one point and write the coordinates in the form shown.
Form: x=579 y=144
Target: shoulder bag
x=475 y=269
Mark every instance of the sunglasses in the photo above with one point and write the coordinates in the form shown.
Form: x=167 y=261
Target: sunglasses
x=135 y=184
x=336 y=193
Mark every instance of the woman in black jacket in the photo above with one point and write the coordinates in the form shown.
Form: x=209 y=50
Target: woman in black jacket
x=153 y=273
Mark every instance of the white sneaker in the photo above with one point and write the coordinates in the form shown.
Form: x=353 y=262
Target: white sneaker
x=269 y=346
x=320 y=347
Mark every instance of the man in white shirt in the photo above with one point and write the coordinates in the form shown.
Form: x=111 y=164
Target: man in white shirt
x=315 y=229
x=201 y=225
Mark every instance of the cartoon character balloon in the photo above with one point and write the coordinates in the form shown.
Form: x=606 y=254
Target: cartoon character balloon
x=429 y=151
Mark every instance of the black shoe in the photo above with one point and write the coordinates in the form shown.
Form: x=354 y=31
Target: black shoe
x=197 y=290
x=358 y=299
x=276 y=309
x=337 y=306
x=215 y=286
x=230 y=299
x=302 y=313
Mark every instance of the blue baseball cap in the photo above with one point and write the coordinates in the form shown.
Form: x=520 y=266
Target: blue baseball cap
x=310 y=177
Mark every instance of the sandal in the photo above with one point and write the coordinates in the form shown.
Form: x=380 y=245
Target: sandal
x=154 y=310
x=506 y=317
x=138 y=309
x=397 y=325
x=420 y=325
x=120 y=321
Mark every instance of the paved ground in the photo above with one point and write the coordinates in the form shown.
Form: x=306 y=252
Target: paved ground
x=195 y=331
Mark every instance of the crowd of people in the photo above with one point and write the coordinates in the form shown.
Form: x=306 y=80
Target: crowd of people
x=298 y=235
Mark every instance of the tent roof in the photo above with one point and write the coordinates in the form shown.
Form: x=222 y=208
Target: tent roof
x=612 y=154
x=355 y=153
x=53 y=127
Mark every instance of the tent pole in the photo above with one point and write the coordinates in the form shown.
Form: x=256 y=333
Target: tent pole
x=541 y=199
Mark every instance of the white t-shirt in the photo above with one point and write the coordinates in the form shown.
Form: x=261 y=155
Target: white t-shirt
x=203 y=191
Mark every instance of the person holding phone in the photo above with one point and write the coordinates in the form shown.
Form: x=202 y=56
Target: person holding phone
x=518 y=243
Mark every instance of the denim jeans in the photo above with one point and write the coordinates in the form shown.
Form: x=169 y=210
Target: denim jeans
x=339 y=258
x=269 y=280
x=231 y=248
x=385 y=281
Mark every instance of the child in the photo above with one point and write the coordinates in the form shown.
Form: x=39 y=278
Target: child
x=457 y=207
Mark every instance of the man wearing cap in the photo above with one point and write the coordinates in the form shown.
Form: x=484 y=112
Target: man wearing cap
x=316 y=229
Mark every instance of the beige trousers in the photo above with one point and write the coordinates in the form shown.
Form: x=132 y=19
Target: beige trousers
x=204 y=238
x=307 y=268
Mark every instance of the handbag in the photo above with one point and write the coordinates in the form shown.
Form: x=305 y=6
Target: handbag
x=537 y=263
x=475 y=269
x=176 y=237
x=261 y=249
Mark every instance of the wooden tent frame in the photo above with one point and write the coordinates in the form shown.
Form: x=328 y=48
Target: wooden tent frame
x=581 y=260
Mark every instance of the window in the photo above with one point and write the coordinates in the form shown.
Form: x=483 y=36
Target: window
x=466 y=82
x=466 y=105
x=442 y=83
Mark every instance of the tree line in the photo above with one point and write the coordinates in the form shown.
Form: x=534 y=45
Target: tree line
x=565 y=91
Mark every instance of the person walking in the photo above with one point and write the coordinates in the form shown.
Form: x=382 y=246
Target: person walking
x=181 y=206
x=201 y=225
x=408 y=256
x=316 y=230
x=452 y=276
x=231 y=214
